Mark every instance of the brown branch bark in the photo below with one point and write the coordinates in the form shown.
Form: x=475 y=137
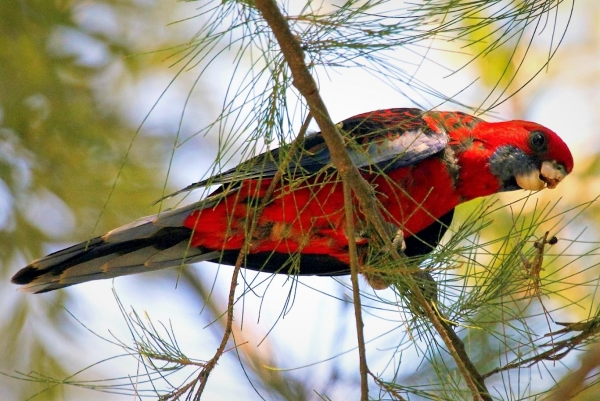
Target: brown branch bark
x=558 y=349
x=306 y=85
x=362 y=352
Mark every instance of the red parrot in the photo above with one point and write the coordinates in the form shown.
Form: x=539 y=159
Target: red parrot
x=421 y=165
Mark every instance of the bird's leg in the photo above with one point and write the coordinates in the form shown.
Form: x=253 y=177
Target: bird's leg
x=381 y=270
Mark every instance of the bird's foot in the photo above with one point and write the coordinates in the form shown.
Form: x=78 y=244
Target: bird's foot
x=374 y=260
x=381 y=270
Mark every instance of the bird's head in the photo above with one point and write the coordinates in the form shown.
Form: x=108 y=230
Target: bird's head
x=526 y=155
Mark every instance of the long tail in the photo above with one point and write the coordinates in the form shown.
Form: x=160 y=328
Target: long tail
x=150 y=243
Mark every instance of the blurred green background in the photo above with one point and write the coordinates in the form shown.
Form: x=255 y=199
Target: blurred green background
x=77 y=79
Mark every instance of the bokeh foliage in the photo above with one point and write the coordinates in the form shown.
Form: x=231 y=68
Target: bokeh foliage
x=61 y=151
x=64 y=142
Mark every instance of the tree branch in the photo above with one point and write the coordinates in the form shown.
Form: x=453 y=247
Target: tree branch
x=210 y=365
x=306 y=85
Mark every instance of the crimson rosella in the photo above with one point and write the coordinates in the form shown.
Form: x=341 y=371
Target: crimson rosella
x=421 y=165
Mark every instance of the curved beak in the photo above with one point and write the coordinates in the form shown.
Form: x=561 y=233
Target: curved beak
x=548 y=176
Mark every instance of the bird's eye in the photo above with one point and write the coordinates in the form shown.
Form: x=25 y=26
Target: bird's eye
x=538 y=141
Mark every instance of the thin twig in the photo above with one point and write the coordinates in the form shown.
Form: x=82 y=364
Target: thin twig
x=387 y=388
x=559 y=349
x=210 y=365
x=362 y=353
